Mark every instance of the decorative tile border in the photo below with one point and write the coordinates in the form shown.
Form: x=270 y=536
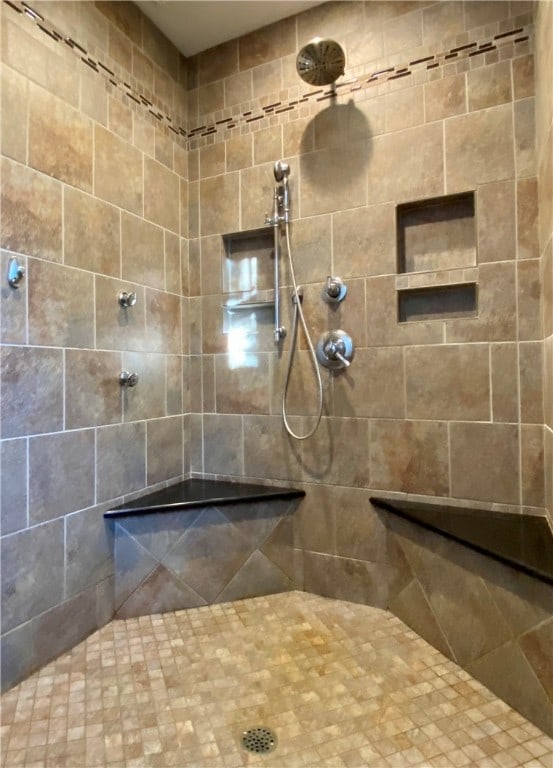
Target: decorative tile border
x=228 y=122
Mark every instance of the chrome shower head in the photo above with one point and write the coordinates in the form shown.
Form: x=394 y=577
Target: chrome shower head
x=281 y=170
x=321 y=61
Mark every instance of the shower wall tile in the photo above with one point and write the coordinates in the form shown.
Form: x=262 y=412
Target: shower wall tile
x=223 y=444
x=409 y=456
x=25 y=370
x=117 y=327
x=31 y=212
x=448 y=382
x=525 y=130
x=211 y=262
x=345 y=166
x=529 y=304
x=16 y=655
x=444 y=98
x=163 y=322
x=174 y=374
x=92 y=390
x=323 y=459
x=421 y=173
x=121 y=465
x=122 y=189
x=479 y=148
x=164 y=449
x=268 y=43
x=60 y=305
x=496 y=221
x=374 y=387
x=504 y=382
x=31 y=583
x=13 y=485
x=267 y=145
x=268 y=451
x=142 y=252
x=363 y=241
x=489 y=86
x=523 y=76
x=91 y=233
x=485 y=462
x=212 y=160
x=242 y=388
x=147 y=400
x=532 y=468
x=88 y=549
x=527 y=219
x=161 y=195
x=531 y=384
x=13 y=305
x=61 y=474
x=13 y=115
x=239 y=152
x=219 y=204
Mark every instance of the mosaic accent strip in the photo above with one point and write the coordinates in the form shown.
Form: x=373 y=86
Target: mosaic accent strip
x=211 y=126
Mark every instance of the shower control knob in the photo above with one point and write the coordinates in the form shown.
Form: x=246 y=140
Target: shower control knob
x=334 y=290
x=127 y=379
x=127 y=299
x=335 y=350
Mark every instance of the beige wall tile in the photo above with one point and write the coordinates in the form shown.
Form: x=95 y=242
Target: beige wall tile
x=159 y=49
x=25 y=370
x=31 y=212
x=270 y=42
x=161 y=195
x=256 y=195
x=444 y=98
x=211 y=97
x=409 y=456
x=331 y=175
x=120 y=48
x=175 y=378
x=91 y=233
x=504 y=382
x=268 y=451
x=164 y=149
x=118 y=174
x=92 y=389
x=404 y=108
x=328 y=20
x=527 y=218
x=239 y=152
x=489 y=86
x=126 y=16
x=403 y=33
x=478 y=14
x=219 y=205
x=218 y=62
x=60 y=139
x=142 y=252
x=448 y=382
x=311 y=249
x=485 y=462
x=420 y=173
x=66 y=454
x=324 y=459
x=188 y=209
x=531 y=383
x=525 y=130
x=267 y=145
x=211 y=264
x=242 y=388
x=238 y=88
x=164 y=449
x=343 y=124
x=13 y=465
x=172 y=263
x=373 y=386
x=61 y=306
x=118 y=327
x=523 y=76
x=121 y=460
x=142 y=68
x=212 y=160
x=267 y=79
x=441 y=21
x=496 y=319
x=163 y=322
x=223 y=444
x=147 y=399
x=532 y=465
x=529 y=305
x=13 y=114
x=479 y=148
x=496 y=221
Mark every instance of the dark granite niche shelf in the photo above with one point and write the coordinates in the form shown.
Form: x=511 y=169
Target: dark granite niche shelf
x=522 y=541
x=194 y=493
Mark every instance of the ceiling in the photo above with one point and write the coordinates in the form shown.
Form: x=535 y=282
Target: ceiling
x=195 y=26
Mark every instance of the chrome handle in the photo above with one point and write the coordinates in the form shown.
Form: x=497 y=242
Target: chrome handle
x=335 y=350
x=334 y=290
x=15 y=272
x=345 y=362
x=127 y=299
x=127 y=379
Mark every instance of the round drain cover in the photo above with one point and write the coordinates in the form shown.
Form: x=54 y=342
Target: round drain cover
x=259 y=739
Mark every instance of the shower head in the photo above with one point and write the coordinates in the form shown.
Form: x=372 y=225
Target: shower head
x=321 y=61
x=281 y=170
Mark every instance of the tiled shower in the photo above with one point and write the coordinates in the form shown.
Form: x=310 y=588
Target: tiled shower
x=126 y=167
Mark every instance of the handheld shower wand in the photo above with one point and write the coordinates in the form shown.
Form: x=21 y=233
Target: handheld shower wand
x=282 y=171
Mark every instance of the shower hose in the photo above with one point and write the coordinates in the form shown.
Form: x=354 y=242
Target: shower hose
x=299 y=316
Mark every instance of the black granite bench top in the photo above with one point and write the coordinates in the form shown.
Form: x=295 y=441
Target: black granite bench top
x=202 y=493
x=523 y=541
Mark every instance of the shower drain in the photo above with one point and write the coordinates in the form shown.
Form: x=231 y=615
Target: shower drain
x=259 y=739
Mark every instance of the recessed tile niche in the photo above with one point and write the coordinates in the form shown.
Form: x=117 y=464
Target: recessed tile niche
x=436 y=242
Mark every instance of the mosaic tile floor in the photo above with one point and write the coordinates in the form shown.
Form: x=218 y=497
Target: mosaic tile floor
x=340 y=684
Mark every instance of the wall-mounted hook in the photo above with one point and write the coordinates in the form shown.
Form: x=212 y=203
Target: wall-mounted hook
x=15 y=272
x=127 y=379
x=127 y=299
